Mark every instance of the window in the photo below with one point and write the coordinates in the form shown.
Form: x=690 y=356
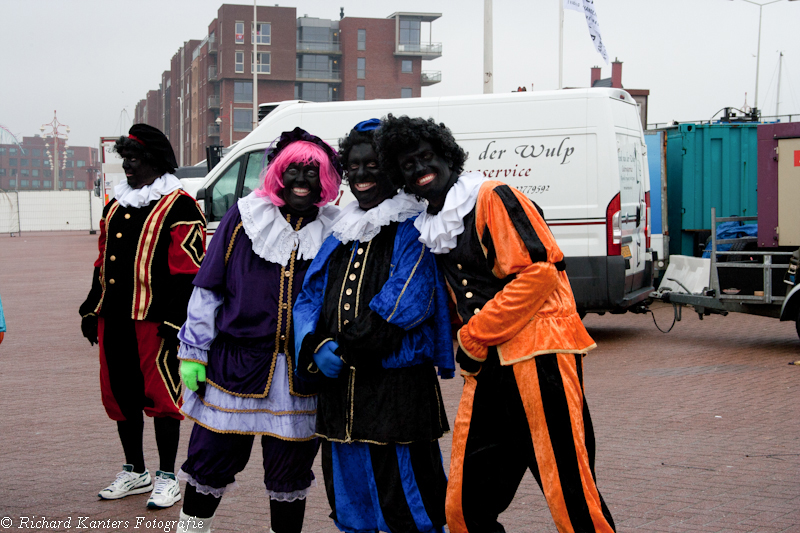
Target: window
x=12 y=151
x=35 y=173
x=405 y=92
x=24 y=172
x=362 y=39
x=69 y=185
x=23 y=183
x=262 y=62
x=36 y=162
x=81 y=184
x=316 y=92
x=70 y=164
x=47 y=163
x=362 y=68
x=2 y=172
x=80 y=164
x=239 y=67
x=242 y=120
x=243 y=92
x=48 y=174
x=36 y=152
x=255 y=162
x=12 y=161
x=70 y=174
x=70 y=153
x=47 y=184
x=223 y=194
x=23 y=162
x=360 y=93
x=12 y=183
x=13 y=171
x=406 y=68
x=263 y=33
x=239 y=30
x=35 y=184
x=409 y=32
x=2 y=150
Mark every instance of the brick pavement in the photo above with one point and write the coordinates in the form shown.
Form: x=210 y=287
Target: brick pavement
x=697 y=430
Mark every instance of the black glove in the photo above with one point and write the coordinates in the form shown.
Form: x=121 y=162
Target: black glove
x=468 y=365
x=168 y=333
x=89 y=328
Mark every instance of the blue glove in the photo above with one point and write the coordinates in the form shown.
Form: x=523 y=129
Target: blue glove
x=328 y=362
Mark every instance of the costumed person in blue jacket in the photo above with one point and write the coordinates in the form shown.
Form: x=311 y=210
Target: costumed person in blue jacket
x=371 y=326
x=236 y=348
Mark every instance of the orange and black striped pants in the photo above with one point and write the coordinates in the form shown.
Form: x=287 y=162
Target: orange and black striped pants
x=532 y=414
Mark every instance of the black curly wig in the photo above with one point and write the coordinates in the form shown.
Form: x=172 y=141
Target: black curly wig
x=125 y=146
x=400 y=135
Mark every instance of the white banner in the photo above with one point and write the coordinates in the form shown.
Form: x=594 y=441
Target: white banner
x=587 y=7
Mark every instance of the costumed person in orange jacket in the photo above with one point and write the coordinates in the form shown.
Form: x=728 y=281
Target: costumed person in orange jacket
x=151 y=244
x=521 y=345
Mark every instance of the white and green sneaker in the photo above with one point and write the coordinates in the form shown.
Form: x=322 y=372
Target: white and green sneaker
x=128 y=482
x=166 y=491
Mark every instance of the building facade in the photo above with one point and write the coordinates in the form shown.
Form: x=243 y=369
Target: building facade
x=29 y=167
x=206 y=97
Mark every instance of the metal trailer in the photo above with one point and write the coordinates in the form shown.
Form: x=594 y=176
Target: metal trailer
x=767 y=267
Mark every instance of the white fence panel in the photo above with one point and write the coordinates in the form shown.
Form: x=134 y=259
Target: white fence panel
x=9 y=212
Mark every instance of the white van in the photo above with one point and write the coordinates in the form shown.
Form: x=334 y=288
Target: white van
x=578 y=153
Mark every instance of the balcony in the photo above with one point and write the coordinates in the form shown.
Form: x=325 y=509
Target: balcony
x=429 y=77
x=213 y=130
x=212 y=46
x=326 y=75
x=319 y=47
x=425 y=50
x=213 y=101
x=212 y=73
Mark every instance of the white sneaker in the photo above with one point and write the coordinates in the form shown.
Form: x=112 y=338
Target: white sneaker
x=128 y=482
x=166 y=491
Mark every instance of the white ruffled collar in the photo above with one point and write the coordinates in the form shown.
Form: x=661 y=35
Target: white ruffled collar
x=274 y=239
x=440 y=232
x=355 y=224
x=130 y=197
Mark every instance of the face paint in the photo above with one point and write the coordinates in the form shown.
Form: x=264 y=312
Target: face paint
x=137 y=171
x=302 y=186
x=427 y=174
x=366 y=182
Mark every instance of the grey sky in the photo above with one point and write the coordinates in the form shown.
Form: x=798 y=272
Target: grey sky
x=90 y=59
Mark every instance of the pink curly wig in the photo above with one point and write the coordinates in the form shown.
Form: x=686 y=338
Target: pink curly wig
x=299 y=152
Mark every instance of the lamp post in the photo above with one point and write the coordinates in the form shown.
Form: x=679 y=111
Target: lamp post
x=758 y=53
x=55 y=135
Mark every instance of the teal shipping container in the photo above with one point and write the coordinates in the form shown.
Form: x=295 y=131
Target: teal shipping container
x=709 y=165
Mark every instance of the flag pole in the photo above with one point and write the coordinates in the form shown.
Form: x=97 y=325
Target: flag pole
x=488 y=52
x=560 y=44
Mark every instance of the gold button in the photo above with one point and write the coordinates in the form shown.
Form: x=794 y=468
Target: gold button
x=346 y=307
x=283 y=337
x=476 y=311
x=352 y=277
x=284 y=306
x=287 y=274
x=468 y=295
x=113 y=257
x=348 y=292
x=360 y=251
x=127 y=215
x=458 y=266
x=111 y=281
x=346 y=322
x=119 y=235
x=464 y=282
x=356 y=264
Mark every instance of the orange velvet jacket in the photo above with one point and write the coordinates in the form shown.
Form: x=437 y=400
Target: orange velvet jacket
x=535 y=312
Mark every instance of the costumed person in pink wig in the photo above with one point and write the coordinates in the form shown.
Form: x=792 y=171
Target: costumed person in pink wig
x=236 y=346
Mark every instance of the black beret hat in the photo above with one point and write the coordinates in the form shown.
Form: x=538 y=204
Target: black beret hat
x=155 y=143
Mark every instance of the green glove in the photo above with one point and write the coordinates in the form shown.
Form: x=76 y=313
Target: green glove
x=191 y=373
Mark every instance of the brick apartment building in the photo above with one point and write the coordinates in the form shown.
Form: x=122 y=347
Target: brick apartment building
x=206 y=96
x=28 y=167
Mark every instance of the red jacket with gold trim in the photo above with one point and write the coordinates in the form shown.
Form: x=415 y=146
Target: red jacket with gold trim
x=148 y=257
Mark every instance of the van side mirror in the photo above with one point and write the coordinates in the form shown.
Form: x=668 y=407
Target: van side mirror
x=200 y=196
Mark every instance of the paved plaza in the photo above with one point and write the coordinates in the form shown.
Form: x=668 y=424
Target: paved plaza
x=697 y=430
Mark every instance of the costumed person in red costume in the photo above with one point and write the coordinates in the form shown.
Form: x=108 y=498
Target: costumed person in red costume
x=521 y=345
x=236 y=346
x=151 y=244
